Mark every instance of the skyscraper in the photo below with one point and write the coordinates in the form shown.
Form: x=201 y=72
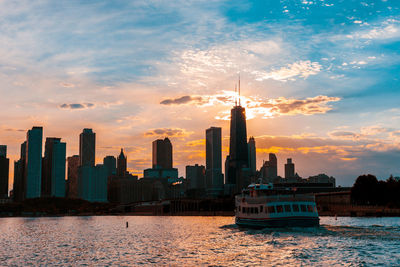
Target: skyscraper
x=73 y=165
x=53 y=171
x=19 y=175
x=289 y=169
x=214 y=176
x=237 y=162
x=252 y=155
x=121 y=164
x=110 y=163
x=4 y=171
x=162 y=154
x=87 y=147
x=269 y=170
x=195 y=177
x=33 y=163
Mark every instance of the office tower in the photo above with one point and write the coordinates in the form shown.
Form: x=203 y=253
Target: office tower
x=214 y=176
x=289 y=169
x=19 y=175
x=162 y=154
x=3 y=151
x=53 y=170
x=252 y=155
x=110 y=163
x=87 y=147
x=33 y=163
x=195 y=177
x=237 y=164
x=4 y=171
x=92 y=183
x=72 y=173
x=121 y=164
x=269 y=170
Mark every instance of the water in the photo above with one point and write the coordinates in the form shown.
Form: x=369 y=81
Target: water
x=188 y=241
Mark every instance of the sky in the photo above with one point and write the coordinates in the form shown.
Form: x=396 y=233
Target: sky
x=319 y=79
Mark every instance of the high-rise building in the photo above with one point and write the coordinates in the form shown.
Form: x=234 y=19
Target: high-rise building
x=269 y=170
x=289 y=169
x=92 y=183
x=73 y=165
x=162 y=154
x=214 y=176
x=110 y=163
x=87 y=147
x=195 y=177
x=252 y=155
x=33 y=163
x=237 y=165
x=4 y=171
x=121 y=164
x=53 y=170
x=19 y=175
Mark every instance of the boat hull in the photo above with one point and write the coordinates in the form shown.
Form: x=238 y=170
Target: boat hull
x=278 y=222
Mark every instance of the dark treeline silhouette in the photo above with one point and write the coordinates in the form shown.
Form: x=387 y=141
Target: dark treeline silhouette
x=367 y=190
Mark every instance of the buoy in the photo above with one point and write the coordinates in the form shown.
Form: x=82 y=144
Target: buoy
x=127 y=225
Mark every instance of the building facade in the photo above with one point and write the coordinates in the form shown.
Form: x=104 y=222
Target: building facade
x=53 y=168
x=252 y=155
x=121 y=164
x=87 y=147
x=214 y=176
x=162 y=154
x=289 y=169
x=33 y=163
x=4 y=172
x=72 y=174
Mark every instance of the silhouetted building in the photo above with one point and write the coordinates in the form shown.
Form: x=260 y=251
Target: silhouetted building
x=214 y=176
x=252 y=155
x=87 y=147
x=4 y=171
x=160 y=173
x=289 y=169
x=92 y=183
x=162 y=154
x=237 y=160
x=269 y=170
x=19 y=175
x=73 y=165
x=322 y=179
x=195 y=177
x=33 y=163
x=121 y=164
x=53 y=170
x=110 y=163
x=123 y=189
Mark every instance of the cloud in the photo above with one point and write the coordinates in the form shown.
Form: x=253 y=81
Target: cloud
x=67 y=85
x=169 y=132
x=182 y=100
x=301 y=69
x=77 y=106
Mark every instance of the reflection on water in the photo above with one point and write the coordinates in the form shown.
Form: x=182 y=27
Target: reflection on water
x=195 y=241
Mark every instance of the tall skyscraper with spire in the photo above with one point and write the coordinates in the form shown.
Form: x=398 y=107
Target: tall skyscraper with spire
x=237 y=160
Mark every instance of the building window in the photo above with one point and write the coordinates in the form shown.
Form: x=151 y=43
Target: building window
x=288 y=208
x=279 y=208
x=295 y=208
x=303 y=208
x=271 y=209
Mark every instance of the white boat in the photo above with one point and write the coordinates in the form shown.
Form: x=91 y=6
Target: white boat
x=260 y=205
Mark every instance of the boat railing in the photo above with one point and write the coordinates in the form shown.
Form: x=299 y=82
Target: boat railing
x=277 y=198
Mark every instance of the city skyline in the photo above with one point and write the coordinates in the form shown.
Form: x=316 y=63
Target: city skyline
x=319 y=80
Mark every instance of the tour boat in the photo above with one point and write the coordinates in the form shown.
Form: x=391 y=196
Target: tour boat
x=260 y=206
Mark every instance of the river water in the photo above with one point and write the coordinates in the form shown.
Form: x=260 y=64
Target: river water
x=189 y=241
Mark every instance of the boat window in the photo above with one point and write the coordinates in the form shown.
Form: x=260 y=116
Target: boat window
x=295 y=208
x=288 y=208
x=303 y=208
x=244 y=210
x=251 y=210
x=261 y=209
x=310 y=208
x=279 y=208
x=271 y=209
x=256 y=210
x=315 y=209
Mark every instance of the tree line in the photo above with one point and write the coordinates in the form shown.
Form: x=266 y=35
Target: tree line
x=367 y=190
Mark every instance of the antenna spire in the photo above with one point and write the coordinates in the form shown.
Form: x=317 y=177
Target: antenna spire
x=239 y=88
x=235 y=95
